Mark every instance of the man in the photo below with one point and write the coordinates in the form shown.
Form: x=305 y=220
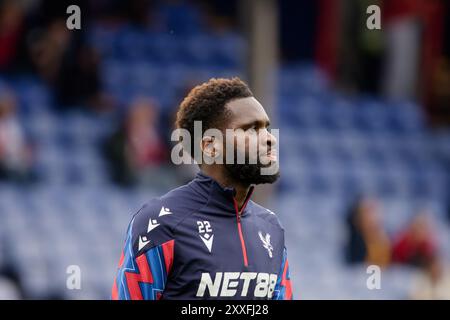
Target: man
x=207 y=239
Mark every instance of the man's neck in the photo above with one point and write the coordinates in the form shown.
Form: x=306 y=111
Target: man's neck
x=225 y=181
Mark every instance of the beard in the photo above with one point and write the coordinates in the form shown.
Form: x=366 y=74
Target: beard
x=250 y=173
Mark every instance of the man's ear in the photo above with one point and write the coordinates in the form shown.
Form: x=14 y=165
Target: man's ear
x=207 y=146
x=211 y=147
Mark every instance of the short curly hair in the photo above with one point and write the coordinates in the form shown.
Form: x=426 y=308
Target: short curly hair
x=206 y=103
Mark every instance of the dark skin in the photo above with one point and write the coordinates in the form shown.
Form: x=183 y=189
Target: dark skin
x=245 y=114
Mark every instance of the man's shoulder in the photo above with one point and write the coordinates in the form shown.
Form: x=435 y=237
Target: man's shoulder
x=158 y=218
x=176 y=203
x=267 y=215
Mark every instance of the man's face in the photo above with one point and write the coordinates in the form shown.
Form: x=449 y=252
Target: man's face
x=254 y=153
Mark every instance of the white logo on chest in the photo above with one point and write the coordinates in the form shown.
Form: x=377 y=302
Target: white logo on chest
x=266 y=242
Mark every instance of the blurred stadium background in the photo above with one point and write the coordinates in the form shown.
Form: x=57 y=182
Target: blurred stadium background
x=86 y=117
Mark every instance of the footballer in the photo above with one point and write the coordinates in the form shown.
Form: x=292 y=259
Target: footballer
x=207 y=239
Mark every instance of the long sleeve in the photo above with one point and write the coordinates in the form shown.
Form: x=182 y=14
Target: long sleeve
x=142 y=275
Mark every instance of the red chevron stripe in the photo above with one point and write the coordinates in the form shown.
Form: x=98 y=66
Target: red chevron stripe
x=167 y=248
x=144 y=275
x=286 y=282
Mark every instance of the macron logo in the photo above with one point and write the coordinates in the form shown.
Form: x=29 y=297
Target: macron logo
x=164 y=212
x=143 y=241
x=208 y=241
x=152 y=224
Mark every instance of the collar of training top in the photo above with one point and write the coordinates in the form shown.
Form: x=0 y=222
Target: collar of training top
x=218 y=196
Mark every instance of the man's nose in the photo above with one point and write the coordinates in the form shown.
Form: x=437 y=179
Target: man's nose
x=271 y=140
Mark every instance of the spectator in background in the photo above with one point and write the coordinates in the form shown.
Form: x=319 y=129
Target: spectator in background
x=433 y=283
x=78 y=81
x=404 y=40
x=440 y=93
x=136 y=150
x=47 y=48
x=63 y=59
x=361 y=50
x=138 y=12
x=415 y=245
x=15 y=153
x=11 y=29
x=368 y=241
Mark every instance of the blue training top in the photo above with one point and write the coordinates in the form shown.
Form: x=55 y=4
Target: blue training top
x=194 y=243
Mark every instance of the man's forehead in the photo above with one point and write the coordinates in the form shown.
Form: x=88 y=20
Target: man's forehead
x=246 y=110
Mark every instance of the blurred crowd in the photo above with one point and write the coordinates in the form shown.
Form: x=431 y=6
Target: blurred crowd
x=408 y=57
x=34 y=40
x=369 y=243
x=16 y=154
